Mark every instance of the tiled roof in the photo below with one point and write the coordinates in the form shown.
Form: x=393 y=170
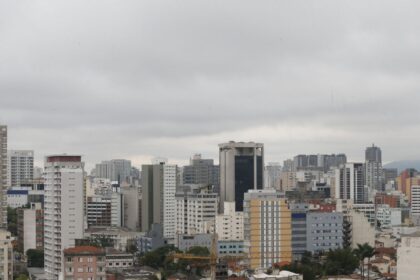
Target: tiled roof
x=84 y=250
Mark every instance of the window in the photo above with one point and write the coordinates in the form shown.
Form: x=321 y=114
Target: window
x=80 y=259
x=69 y=259
x=89 y=259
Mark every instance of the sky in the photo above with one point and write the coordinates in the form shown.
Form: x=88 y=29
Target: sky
x=140 y=79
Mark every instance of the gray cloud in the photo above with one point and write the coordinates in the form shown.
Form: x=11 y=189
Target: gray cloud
x=137 y=79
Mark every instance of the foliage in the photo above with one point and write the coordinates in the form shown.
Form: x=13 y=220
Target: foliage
x=362 y=252
x=341 y=261
x=22 y=277
x=12 y=220
x=199 y=251
x=35 y=258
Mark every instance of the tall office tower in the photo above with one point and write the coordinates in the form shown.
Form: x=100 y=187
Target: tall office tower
x=349 y=183
x=373 y=165
x=272 y=175
x=267 y=228
x=3 y=176
x=241 y=169
x=159 y=183
x=115 y=170
x=63 y=208
x=196 y=209
x=201 y=171
x=318 y=162
x=20 y=167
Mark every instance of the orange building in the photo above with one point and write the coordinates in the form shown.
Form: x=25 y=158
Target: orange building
x=267 y=228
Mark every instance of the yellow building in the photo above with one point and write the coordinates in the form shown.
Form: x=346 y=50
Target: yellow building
x=267 y=228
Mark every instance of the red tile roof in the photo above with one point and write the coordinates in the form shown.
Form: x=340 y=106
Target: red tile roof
x=84 y=250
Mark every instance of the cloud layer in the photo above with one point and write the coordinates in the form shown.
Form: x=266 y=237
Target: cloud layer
x=137 y=79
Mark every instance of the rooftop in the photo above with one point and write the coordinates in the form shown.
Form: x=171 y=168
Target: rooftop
x=84 y=250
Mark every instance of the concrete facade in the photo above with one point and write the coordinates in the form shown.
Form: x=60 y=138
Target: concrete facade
x=3 y=176
x=230 y=224
x=267 y=228
x=20 y=167
x=64 y=204
x=324 y=231
x=241 y=169
x=408 y=257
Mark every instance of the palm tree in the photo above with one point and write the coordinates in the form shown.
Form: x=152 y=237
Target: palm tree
x=364 y=251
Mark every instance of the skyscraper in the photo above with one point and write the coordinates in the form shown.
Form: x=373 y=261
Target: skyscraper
x=272 y=175
x=373 y=165
x=3 y=176
x=201 y=171
x=159 y=183
x=349 y=183
x=115 y=170
x=63 y=213
x=241 y=169
x=20 y=167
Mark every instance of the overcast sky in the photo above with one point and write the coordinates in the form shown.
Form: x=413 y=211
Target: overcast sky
x=138 y=79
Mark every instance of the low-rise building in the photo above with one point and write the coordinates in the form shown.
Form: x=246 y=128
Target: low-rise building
x=407 y=256
x=84 y=262
x=152 y=240
x=118 y=260
x=186 y=241
x=231 y=248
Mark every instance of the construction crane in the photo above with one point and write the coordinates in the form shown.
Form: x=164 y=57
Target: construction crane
x=212 y=259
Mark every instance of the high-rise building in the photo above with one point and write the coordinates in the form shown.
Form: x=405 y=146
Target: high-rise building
x=389 y=174
x=272 y=175
x=6 y=255
x=373 y=165
x=3 y=176
x=63 y=212
x=349 y=183
x=131 y=202
x=267 y=228
x=196 y=209
x=403 y=180
x=30 y=227
x=318 y=162
x=98 y=210
x=415 y=202
x=201 y=171
x=159 y=183
x=20 y=167
x=241 y=169
x=115 y=170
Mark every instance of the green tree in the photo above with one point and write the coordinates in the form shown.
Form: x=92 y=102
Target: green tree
x=12 y=220
x=22 y=277
x=199 y=251
x=341 y=261
x=362 y=252
x=35 y=258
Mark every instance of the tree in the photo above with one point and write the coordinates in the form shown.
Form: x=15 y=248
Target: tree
x=22 y=277
x=35 y=258
x=341 y=261
x=199 y=251
x=12 y=220
x=362 y=252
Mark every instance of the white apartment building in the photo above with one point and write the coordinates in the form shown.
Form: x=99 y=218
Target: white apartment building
x=63 y=216
x=230 y=224
x=196 y=207
x=3 y=176
x=349 y=183
x=20 y=167
x=415 y=200
x=169 y=208
x=6 y=255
